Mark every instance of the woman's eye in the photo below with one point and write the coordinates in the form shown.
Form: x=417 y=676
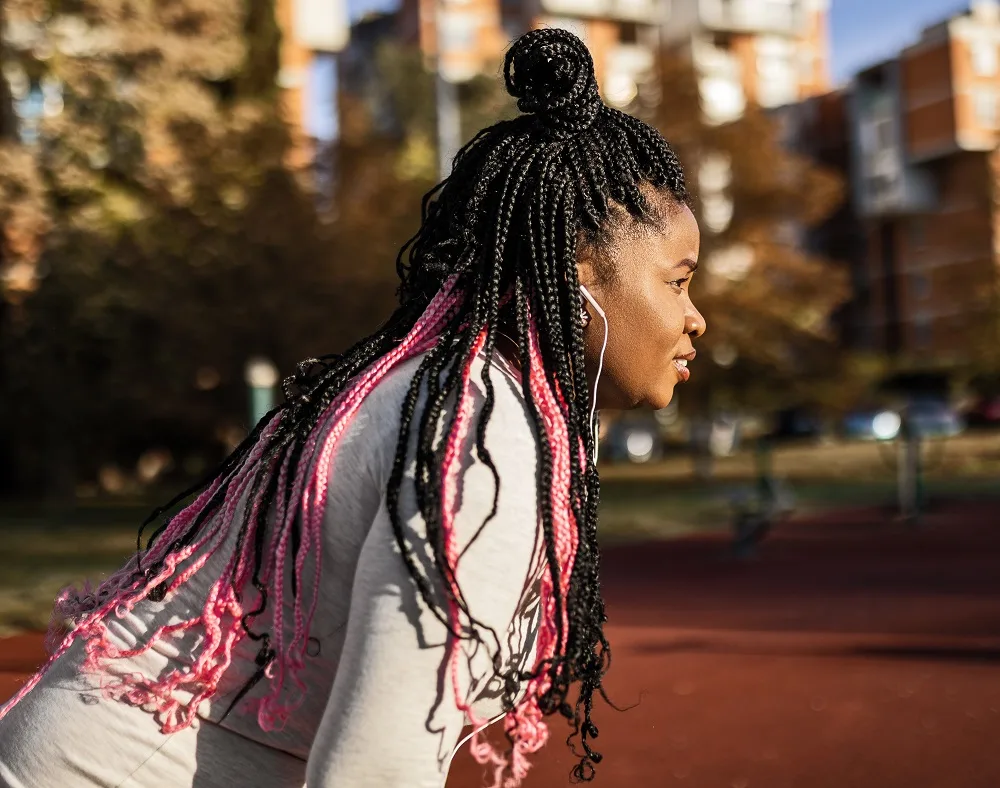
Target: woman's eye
x=679 y=283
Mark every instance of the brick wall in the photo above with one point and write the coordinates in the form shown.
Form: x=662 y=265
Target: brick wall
x=928 y=99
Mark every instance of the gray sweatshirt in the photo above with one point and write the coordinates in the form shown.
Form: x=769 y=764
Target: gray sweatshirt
x=379 y=710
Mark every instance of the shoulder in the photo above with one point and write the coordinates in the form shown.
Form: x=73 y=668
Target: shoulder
x=509 y=428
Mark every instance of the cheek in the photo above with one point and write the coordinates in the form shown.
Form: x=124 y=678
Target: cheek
x=669 y=323
x=645 y=333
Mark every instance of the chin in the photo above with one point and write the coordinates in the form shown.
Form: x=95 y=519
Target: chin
x=661 y=398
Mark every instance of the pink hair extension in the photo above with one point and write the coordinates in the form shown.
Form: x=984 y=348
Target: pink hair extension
x=71 y=603
x=221 y=616
x=481 y=750
x=524 y=725
x=312 y=501
x=119 y=593
x=202 y=677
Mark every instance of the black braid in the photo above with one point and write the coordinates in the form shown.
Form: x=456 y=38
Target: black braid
x=508 y=223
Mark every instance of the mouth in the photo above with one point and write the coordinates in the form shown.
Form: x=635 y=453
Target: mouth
x=681 y=365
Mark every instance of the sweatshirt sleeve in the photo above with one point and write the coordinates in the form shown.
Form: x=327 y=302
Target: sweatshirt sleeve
x=391 y=719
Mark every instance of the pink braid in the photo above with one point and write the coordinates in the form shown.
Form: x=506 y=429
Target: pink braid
x=202 y=678
x=481 y=750
x=525 y=725
x=119 y=595
x=449 y=494
x=313 y=498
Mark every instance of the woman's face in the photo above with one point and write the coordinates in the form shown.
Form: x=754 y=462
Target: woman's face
x=645 y=294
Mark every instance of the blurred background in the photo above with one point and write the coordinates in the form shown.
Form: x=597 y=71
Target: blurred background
x=197 y=194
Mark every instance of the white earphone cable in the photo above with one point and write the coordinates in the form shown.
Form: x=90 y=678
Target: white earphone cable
x=600 y=367
x=458 y=746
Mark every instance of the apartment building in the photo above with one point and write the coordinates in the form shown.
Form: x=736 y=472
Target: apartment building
x=820 y=127
x=768 y=52
x=771 y=52
x=923 y=134
x=462 y=37
x=313 y=32
x=472 y=35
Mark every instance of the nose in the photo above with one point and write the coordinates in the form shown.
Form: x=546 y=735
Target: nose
x=694 y=321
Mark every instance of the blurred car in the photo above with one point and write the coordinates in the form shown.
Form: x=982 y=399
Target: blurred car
x=930 y=418
x=984 y=413
x=871 y=425
x=634 y=440
x=933 y=418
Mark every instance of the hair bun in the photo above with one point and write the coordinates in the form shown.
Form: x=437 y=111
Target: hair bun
x=551 y=74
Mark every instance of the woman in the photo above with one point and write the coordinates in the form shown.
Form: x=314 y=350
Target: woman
x=409 y=543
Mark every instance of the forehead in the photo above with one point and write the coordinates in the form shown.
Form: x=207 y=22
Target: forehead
x=670 y=232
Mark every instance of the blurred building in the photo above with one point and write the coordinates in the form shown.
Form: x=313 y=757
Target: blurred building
x=472 y=35
x=820 y=127
x=358 y=68
x=467 y=34
x=769 y=52
x=313 y=32
x=922 y=133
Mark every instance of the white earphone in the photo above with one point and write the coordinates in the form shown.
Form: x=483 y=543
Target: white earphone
x=600 y=365
x=458 y=746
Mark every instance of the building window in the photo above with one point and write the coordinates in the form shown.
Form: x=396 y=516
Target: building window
x=777 y=82
x=883 y=134
x=882 y=189
x=881 y=153
x=985 y=61
x=628 y=33
x=777 y=75
x=722 y=40
x=984 y=104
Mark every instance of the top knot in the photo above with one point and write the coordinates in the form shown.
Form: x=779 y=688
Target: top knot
x=551 y=74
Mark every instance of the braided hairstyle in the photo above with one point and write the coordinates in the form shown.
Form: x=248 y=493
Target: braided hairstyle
x=497 y=250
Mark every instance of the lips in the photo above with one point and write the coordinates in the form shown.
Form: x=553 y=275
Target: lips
x=681 y=365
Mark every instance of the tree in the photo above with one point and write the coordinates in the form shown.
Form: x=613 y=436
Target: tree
x=384 y=172
x=171 y=239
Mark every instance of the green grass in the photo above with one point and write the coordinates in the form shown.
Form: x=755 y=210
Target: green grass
x=42 y=553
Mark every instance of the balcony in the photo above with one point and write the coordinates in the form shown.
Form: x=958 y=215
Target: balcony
x=643 y=11
x=713 y=60
x=628 y=66
x=783 y=17
x=720 y=82
x=885 y=183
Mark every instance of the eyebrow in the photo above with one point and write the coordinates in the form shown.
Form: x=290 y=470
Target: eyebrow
x=691 y=265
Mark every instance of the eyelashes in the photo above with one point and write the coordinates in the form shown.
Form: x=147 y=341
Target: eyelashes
x=679 y=283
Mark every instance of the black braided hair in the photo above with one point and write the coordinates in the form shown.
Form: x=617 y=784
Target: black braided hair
x=524 y=195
